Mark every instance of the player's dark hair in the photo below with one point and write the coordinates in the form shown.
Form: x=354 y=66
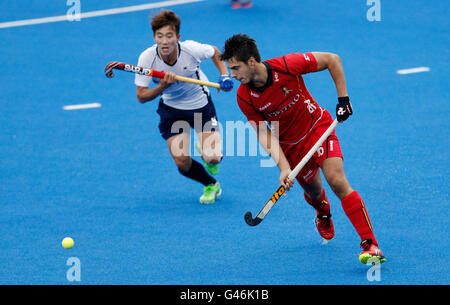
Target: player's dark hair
x=241 y=47
x=166 y=18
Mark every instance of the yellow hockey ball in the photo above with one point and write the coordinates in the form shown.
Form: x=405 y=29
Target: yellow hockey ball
x=67 y=243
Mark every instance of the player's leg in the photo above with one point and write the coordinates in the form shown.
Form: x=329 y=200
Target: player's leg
x=315 y=196
x=354 y=207
x=179 y=147
x=333 y=170
x=180 y=151
x=175 y=128
x=310 y=180
x=208 y=130
x=210 y=148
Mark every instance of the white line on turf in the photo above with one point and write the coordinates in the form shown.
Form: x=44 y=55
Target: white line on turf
x=120 y=10
x=82 y=106
x=413 y=70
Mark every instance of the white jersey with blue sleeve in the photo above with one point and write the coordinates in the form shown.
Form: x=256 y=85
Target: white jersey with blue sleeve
x=180 y=95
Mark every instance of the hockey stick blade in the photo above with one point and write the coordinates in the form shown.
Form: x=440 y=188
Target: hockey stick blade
x=109 y=68
x=250 y=220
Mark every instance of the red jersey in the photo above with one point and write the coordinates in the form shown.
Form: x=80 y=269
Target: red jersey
x=284 y=97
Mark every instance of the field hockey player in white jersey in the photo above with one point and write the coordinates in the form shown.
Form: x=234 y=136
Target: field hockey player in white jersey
x=182 y=105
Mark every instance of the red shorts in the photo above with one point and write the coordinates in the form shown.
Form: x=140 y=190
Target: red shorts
x=330 y=148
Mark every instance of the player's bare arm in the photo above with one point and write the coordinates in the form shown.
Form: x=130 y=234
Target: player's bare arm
x=145 y=94
x=272 y=146
x=220 y=65
x=333 y=63
x=225 y=81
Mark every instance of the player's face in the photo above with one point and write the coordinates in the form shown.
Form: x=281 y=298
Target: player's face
x=167 y=40
x=240 y=70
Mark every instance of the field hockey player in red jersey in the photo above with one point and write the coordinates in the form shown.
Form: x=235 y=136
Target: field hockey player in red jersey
x=274 y=91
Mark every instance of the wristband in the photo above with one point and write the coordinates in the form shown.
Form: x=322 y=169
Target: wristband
x=343 y=99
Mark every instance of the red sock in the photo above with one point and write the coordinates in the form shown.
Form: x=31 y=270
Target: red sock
x=356 y=211
x=322 y=206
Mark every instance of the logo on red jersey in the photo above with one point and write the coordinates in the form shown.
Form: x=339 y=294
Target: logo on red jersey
x=286 y=90
x=280 y=111
x=308 y=175
x=265 y=106
x=311 y=107
x=254 y=94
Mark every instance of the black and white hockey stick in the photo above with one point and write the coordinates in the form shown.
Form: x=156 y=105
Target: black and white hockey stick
x=281 y=190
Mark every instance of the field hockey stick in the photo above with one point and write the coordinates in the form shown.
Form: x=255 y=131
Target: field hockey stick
x=281 y=190
x=153 y=73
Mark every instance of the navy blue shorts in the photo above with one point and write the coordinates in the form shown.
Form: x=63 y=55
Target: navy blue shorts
x=176 y=121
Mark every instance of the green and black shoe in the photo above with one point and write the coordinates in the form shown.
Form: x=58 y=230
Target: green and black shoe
x=211 y=193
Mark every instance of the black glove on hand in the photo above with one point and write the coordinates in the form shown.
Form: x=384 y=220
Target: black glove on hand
x=343 y=108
